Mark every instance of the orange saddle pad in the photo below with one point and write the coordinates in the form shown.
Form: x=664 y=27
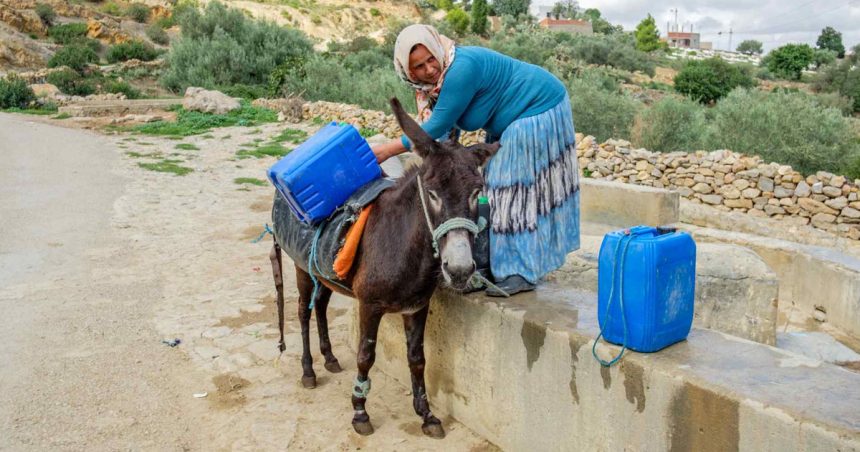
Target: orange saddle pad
x=346 y=256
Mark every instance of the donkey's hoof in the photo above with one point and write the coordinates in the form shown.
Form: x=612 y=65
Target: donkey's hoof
x=333 y=367
x=309 y=382
x=433 y=430
x=363 y=428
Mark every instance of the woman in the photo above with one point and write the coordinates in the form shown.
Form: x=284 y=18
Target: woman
x=533 y=181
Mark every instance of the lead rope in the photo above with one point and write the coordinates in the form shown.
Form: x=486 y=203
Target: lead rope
x=476 y=280
x=618 y=269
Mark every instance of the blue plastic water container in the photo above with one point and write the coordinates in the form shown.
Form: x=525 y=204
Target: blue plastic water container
x=321 y=173
x=655 y=271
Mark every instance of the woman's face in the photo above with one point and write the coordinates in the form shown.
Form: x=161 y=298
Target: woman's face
x=425 y=68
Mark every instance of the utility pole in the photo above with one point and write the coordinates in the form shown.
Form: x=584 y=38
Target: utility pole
x=675 y=10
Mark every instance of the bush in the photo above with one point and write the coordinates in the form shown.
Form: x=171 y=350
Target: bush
x=75 y=56
x=708 y=80
x=786 y=128
x=46 y=13
x=789 y=60
x=329 y=79
x=15 y=93
x=157 y=34
x=68 y=33
x=842 y=78
x=375 y=12
x=222 y=47
x=138 y=12
x=131 y=50
x=671 y=125
x=71 y=82
x=117 y=86
x=458 y=20
x=600 y=111
x=111 y=8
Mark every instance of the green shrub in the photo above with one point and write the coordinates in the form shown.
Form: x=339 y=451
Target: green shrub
x=111 y=8
x=116 y=86
x=157 y=34
x=671 y=125
x=249 y=92
x=458 y=20
x=375 y=12
x=138 y=12
x=131 y=50
x=789 y=60
x=601 y=112
x=71 y=82
x=15 y=93
x=784 y=127
x=67 y=33
x=708 y=80
x=329 y=79
x=75 y=56
x=842 y=78
x=46 y=13
x=222 y=47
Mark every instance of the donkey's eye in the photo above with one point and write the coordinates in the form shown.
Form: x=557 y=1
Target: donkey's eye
x=433 y=196
x=473 y=198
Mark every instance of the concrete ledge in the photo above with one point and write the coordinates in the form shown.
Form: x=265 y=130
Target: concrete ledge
x=736 y=292
x=119 y=107
x=810 y=277
x=520 y=373
x=625 y=205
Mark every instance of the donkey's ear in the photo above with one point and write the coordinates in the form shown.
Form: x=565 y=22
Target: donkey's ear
x=422 y=143
x=484 y=151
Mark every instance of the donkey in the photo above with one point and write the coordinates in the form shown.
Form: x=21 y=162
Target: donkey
x=402 y=257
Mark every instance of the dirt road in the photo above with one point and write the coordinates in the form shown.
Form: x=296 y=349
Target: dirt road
x=101 y=259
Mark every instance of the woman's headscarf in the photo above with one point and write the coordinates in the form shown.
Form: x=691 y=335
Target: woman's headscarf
x=441 y=47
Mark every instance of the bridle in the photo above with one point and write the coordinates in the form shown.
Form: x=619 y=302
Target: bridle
x=448 y=226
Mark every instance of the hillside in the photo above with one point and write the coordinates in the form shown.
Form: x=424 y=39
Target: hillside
x=25 y=45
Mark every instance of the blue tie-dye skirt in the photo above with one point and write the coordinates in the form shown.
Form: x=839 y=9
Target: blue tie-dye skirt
x=533 y=188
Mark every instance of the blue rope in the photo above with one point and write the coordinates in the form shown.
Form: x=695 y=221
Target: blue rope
x=313 y=267
x=618 y=269
x=268 y=230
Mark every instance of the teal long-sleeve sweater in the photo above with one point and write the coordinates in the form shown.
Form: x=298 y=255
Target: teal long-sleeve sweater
x=484 y=89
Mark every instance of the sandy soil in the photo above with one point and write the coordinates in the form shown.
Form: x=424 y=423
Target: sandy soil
x=146 y=256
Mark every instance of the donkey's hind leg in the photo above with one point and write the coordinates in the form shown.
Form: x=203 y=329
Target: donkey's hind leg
x=414 y=324
x=306 y=289
x=368 y=327
x=321 y=308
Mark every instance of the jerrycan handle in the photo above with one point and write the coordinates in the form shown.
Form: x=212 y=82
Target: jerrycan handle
x=641 y=230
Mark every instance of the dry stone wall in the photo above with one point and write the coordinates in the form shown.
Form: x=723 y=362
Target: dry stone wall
x=726 y=180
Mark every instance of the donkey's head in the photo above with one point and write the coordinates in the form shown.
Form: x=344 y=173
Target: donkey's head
x=450 y=184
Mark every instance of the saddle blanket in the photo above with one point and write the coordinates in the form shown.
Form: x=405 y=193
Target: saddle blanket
x=336 y=244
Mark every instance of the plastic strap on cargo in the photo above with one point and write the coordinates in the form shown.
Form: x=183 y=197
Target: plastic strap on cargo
x=621 y=247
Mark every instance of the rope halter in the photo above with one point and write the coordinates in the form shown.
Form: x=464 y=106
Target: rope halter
x=448 y=226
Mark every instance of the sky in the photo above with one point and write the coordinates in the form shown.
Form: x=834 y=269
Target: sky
x=773 y=22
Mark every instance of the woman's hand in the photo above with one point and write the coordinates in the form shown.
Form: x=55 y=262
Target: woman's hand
x=384 y=151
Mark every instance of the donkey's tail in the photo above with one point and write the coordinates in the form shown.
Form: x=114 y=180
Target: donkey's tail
x=277 y=273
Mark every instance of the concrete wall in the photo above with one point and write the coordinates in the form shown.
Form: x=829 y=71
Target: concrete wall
x=810 y=277
x=625 y=205
x=520 y=373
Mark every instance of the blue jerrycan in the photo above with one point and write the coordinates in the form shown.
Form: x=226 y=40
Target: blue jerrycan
x=645 y=288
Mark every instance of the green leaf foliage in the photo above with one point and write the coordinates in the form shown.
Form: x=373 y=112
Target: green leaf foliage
x=708 y=80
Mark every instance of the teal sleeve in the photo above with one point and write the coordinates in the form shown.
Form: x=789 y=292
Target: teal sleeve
x=458 y=90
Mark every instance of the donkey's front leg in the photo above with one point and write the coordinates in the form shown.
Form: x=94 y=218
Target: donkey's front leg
x=368 y=326
x=413 y=324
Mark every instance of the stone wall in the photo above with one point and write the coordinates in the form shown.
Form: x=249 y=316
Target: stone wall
x=723 y=179
x=732 y=182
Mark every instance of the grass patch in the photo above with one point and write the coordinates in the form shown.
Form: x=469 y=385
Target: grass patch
x=30 y=111
x=167 y=166
x=194 y=122
x=294 y=136
x=208 y=136
x=187 y=147
x=250 y=180
x=368 y=132
x=318 y=121
x=267 y=150
x=63 y=116
x=129 y=139
x=138 y=155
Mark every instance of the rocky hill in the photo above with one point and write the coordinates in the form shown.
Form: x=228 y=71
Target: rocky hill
x=24 y=42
